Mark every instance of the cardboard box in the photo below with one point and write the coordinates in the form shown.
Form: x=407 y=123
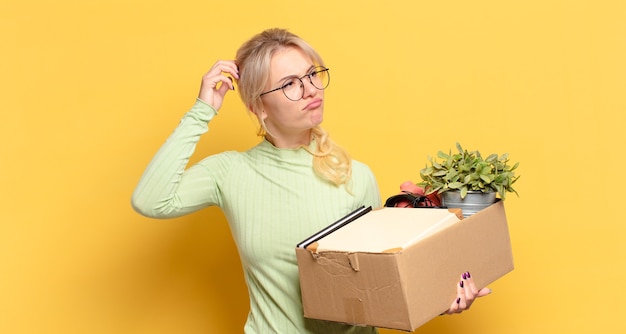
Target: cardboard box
x=404 y=286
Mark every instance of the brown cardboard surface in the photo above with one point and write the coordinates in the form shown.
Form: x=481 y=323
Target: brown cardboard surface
x=406 y=288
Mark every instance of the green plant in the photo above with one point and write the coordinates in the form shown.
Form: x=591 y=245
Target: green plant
x=468 y=171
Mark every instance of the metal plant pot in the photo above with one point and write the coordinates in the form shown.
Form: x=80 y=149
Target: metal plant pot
x=472 y=203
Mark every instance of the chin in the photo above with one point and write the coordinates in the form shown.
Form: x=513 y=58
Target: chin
x=315 y=121
x=317 y=118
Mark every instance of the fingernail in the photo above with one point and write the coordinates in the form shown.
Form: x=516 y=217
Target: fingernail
x=458 y=300
x=464 y=275
x=468 y=275
x=461 y=283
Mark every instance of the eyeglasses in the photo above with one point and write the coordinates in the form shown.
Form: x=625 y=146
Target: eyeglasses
x=293 y=88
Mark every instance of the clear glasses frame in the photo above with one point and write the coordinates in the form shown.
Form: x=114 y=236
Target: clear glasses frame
x=290 y=81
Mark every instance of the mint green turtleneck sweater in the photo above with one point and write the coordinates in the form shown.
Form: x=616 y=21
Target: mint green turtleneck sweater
x=272 y=200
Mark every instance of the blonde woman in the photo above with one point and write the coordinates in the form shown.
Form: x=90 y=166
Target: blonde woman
x=290 y=185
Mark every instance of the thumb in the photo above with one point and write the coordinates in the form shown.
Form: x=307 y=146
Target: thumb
x=483 y=292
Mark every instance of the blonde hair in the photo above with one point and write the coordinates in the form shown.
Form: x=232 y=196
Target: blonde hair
x=330 y=161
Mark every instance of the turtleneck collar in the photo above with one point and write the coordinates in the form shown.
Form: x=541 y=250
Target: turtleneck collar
x=287 y=153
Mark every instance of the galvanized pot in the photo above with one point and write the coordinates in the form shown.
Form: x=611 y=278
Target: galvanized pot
x=472 y=203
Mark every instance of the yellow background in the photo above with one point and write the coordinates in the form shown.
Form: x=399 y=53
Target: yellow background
x=90 y=89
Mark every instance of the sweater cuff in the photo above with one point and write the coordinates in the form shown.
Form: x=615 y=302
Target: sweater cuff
x=204 y=104
x=202 y=111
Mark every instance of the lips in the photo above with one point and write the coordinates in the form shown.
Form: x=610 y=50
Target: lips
x=313 y=104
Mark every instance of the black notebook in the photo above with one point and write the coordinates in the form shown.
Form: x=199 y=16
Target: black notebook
x=352 y=216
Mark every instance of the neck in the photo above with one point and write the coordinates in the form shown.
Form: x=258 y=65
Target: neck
x=294 y=141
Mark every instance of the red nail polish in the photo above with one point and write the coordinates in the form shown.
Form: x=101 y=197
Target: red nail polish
x=458 y=300
x=461 y=283
x=468 y=275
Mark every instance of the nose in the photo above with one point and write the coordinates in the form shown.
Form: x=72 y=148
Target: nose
x=307 y=86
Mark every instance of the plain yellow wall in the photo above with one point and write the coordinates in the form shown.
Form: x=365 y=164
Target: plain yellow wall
x=90 y=89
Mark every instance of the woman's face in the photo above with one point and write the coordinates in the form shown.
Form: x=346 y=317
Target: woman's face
x=284 y=118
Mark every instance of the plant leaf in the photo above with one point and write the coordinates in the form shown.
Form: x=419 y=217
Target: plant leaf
x=455 y=185
x=486 y=178
x=458 y=147
x=463 y=192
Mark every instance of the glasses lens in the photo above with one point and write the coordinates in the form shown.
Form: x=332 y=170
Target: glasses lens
x=320 y=77
x=293 y=89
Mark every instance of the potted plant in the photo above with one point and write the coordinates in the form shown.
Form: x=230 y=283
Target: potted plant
x=467 y=180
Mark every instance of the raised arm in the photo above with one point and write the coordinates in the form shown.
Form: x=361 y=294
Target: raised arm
x=165 y=189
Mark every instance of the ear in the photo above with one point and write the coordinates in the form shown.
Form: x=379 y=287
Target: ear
x=261 y=115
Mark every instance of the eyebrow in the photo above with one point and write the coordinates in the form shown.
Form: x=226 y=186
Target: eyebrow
x=294 y=75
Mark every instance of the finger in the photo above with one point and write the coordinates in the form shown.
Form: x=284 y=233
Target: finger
x=454 y=307
x=458 y=305
x=472 y=286
x=224 y=66
x=214 y=81
x=464 y=300
x=470 y=283
x=213 y=90
x=469 y=292
x=229 y=83
x=224 y=87
x=213 y=78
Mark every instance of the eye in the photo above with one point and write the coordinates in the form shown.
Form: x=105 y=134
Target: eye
x=317 y=72
x=292 y=83
x=289 y=83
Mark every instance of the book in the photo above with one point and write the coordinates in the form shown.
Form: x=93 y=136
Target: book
x=343 y=221
x=387 y=228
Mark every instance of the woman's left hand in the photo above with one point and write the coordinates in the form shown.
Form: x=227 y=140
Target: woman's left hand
x=466 y=294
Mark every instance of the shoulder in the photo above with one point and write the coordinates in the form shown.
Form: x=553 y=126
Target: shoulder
x=362 y=174
x=223 y=159
x=360 y=168
x=364 y=184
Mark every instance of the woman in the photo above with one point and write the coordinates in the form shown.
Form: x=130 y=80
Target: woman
x=293 y=183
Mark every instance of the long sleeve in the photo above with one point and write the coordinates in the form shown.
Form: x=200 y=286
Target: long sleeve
x=159 y=193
